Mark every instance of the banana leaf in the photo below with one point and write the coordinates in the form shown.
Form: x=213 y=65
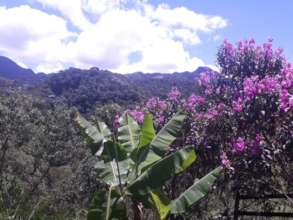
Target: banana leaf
x=196 y=192
x=167 y=134
x=156 y=175
x=96 y=135
x=128 y=133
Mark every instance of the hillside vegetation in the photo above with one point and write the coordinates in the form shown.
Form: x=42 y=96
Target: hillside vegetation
x=92 y=144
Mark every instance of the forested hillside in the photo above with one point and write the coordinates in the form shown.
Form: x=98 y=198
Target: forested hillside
x=86 y=89
x=100 y=145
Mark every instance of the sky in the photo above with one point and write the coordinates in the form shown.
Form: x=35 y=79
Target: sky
x=136 y=35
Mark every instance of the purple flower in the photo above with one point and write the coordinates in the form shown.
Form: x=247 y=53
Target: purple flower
x=162 y=105
x=155 y=103
x=238 y=145
x=212 y=113
x=250 y=87
x=152 y=103
x=225 y=161
x=206 y=78
x=137 y=115
x=192 y=101
x=285 y=99
x=228 y=47
x=160 y=119
x=240 y=45
x=268 y=85
x=174 y=94
x=237 y=105
x=251 y=42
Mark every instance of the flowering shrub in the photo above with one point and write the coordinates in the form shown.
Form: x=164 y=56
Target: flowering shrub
x=242 y=116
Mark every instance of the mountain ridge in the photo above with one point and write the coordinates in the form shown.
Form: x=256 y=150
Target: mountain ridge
x=87 y=88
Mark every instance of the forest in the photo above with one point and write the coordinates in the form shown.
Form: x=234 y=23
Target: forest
x=92 y=144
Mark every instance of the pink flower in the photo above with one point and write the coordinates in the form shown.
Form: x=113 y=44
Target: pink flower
x=162 y=105
x=206 y=78
x=250 y=87
x=268 y=85
x=155 y=103
x=237 y=105
x=193 y=101
x=160 y=119
x=174 y=94
x=239 y=145
x=212 y=113
x=152 y=103
x=251 y=42
x=137 y=115
x=286 y=100
x=225 y=161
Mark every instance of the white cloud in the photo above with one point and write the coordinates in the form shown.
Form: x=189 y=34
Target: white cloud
x=70 y=9
x=186 y=18
x=32 y=36
x=107 y=33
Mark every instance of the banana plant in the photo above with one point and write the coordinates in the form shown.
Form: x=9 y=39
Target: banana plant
x=134 y=165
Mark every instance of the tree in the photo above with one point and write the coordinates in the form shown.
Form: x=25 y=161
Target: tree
x=133 y=164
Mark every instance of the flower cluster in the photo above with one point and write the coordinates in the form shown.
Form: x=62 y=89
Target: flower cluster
x=174 y=94
x=243 y=113
x=137 y=115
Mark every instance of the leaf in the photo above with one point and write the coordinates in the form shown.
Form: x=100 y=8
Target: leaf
x=161 y=171
x=108 y=172
x=128 y=134
x=196 y=192
x=161 y=202
x=113 y=151
x=99 y=206
x=97 y=134
x=167 y=134
x=147 y=131
x=142 y=155
x=148 y=158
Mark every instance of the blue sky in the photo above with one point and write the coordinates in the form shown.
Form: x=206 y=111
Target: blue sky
x=259 y=19
x=134 y=35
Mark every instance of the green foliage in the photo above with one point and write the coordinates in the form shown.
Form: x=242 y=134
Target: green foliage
x=195 y=192
x=44 y=160
x=131 y=166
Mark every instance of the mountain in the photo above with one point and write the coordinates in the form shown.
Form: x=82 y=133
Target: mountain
x=12 y=71
x=159 y=84
x=85 y=89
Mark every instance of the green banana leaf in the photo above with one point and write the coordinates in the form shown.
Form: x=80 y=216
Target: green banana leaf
x=161 y=202
x=96 y=135
x=107 y=205
x=128 y=133
x=191 y=196
x=108 y=172
x=167 y=134
x=147 y=158
x=196 y=192
x=161 y=171
x=113 y=151
x=143 y=155
x=147 y=132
